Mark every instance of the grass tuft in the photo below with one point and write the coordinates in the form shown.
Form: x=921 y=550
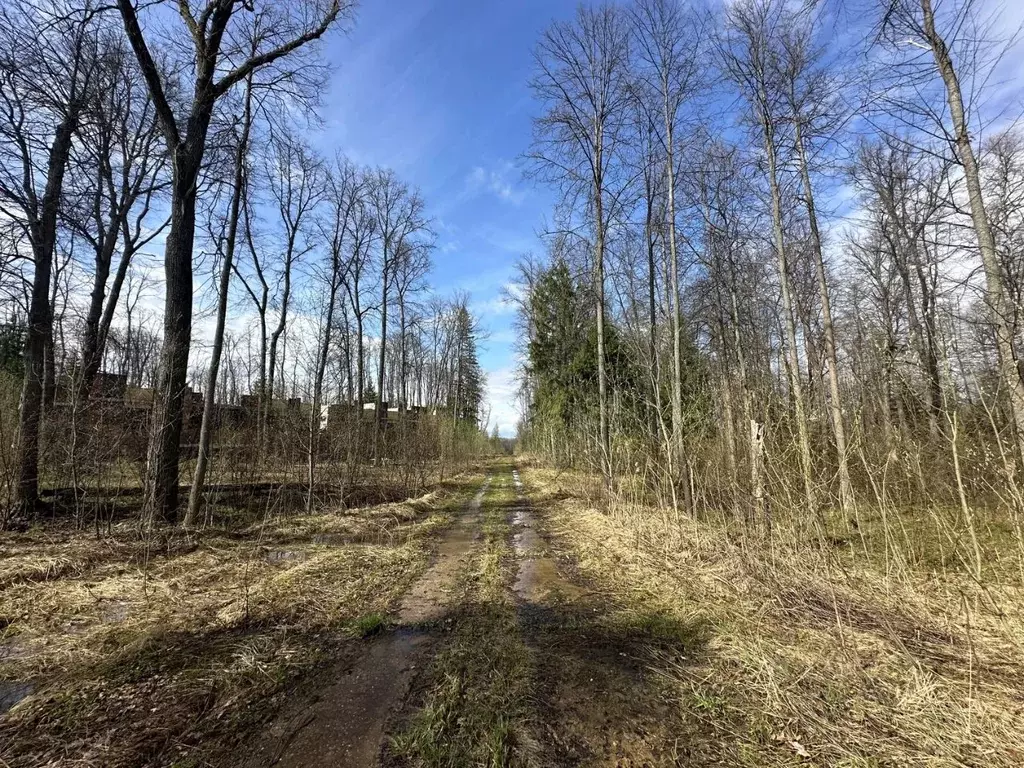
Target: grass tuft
x=368 y=624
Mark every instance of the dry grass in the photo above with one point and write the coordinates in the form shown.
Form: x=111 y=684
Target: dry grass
x=154 y=652
x=814 y=655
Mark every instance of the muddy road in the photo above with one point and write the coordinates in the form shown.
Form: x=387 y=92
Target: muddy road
x=342 y=720
x=497 y=655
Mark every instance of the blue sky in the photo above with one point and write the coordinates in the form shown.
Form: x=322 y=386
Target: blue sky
x=438 y=90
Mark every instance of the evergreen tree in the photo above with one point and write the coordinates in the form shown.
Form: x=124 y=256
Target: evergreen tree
x=561 y=365
x=12 y=343
x=468 y=378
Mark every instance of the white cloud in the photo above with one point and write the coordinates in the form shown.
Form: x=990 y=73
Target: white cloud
x=502 y=398
x=498 y=181
x=497 y=306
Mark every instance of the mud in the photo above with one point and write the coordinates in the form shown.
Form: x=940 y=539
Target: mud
x=344 y=722
x=538 y=580
x=11 y=692
x=597 y=704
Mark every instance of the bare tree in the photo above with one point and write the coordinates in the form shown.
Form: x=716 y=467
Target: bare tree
x=749 y=57
x=294 y=176
x=811 y=99
x=400 y=221
x=912 y=24
x=582 y=82
x=343 y=203
x=50 y=57
x=357 y=274
x=116 y=182
x=222 y=57
x=671 y=49
x=257 y=286
x=411 y=269
x=227 y=266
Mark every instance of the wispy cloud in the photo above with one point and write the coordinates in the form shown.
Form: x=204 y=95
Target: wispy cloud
x=496 y=306
x=498 y=181
x=503 y=399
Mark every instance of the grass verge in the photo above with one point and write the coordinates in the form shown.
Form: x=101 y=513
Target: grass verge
x=809 y=659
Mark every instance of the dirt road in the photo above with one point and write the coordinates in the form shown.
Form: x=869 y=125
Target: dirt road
x=523 y=621
x=496 y=654
x=341 y=720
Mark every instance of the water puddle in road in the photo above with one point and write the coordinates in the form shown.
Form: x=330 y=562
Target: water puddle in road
x=344 y=725
x=595 y=706
x=538 y=579
x=284 y=556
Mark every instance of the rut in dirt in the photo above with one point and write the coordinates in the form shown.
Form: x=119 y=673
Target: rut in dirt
x=597 y=703
x=344 y=721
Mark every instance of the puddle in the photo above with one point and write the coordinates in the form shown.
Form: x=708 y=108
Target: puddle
x=333 y=539
x=424 y=602
x=344 y=724
x=14 y=648
x=538 y=580
x=382 y=537
x=526 y=540
x=590 y=691
x=113 y=611
x=11 y=692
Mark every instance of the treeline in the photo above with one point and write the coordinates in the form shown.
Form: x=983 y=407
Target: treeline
x=287 y=275
x=784 y=274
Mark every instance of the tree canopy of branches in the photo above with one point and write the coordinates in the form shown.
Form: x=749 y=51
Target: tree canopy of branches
x=798 y=345
x=124 y=124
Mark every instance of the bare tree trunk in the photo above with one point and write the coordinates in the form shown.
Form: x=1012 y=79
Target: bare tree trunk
x=402 y=361
x=994 y=287
x=789 y=323
x=277 y=333
x=652 y=312
x=602 y=377
x=380 y=410
x=831 y=357
x=50 y=350
x=262 y=301
x=43 y=232
x=360 y=354
x=318 y=388
x=206 y=428
x=168 y=397
x=677 y=331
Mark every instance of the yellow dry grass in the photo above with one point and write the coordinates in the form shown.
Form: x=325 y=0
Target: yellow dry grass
x=154 y=652
x=812 y=657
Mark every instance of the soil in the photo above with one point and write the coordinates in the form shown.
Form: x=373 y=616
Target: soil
x=594 y=703
x=597 y=705
x=343 y=722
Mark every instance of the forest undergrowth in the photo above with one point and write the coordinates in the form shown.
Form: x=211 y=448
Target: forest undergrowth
x=124 y=650
x=834 y=648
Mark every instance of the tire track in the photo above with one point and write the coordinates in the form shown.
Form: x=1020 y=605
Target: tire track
x=344 y=722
